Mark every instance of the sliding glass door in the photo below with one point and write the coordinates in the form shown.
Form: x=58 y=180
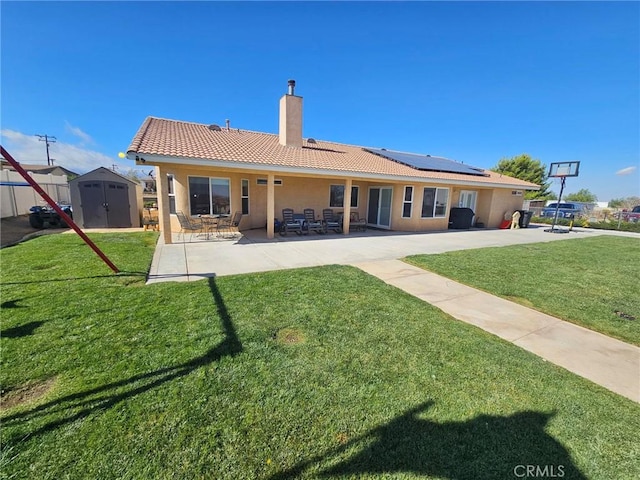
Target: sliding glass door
x=379 y=208
x=209 y=196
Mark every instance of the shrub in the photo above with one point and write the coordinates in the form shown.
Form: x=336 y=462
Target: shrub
x=600 y=225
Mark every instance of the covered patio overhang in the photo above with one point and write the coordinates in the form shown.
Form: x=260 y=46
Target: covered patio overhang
x=168 y=165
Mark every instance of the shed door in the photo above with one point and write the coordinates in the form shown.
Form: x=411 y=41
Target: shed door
x=92 y=203
x=105 y=204
x=117 y=204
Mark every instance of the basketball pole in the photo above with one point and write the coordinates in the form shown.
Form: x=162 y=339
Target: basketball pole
x=555 y=217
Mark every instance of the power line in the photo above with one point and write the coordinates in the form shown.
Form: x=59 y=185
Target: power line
x=48 y=139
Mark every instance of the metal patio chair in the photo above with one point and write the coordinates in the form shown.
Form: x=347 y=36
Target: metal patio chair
x=229 y=224
x=189 y=224
x=357 y=223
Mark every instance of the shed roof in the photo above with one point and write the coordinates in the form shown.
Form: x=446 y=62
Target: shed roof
x=104 y=172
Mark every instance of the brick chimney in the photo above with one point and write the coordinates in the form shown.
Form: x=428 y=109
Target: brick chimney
x=291 y=118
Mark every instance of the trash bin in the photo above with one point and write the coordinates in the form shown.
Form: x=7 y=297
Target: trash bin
x=525 y=218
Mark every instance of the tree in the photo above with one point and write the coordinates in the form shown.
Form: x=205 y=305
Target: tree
x=627 y=203
x=133 y=175
x=528 y=169
x=582 y=195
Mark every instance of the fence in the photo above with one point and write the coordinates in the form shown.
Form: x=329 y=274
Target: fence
x=17 y=196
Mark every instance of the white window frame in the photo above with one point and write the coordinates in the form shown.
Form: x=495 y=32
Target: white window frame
x=435 y=203
x=171 y=193
x=243 y=182
x=210 y=197
x=356 y=196
x=409 y=202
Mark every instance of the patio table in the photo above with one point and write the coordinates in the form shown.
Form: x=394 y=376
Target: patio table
x=209 y=224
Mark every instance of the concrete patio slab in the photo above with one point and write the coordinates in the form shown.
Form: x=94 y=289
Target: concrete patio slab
x=253 y=252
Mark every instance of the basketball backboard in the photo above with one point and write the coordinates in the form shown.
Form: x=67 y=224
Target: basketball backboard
x=564 y=169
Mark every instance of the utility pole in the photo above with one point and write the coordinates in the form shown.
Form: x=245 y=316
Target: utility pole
x=48 y=140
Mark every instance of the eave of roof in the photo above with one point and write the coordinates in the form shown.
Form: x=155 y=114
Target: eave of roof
x=102 y=169
x=170 y=141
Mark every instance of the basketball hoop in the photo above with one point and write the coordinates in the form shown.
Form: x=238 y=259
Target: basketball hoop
x=564 y=169
x=561 y=170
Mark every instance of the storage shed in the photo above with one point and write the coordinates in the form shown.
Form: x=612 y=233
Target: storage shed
x=105 y=199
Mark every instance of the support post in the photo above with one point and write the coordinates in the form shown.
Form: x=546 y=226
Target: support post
x=162 y=191
x=346 y=215
x=271 y=205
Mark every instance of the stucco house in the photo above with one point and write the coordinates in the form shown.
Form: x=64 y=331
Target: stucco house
x=209 y=169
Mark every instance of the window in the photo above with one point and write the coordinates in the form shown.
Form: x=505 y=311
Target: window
x=336 y=196
x=172 y=194
x=244 y=194
x=434 y=202
x=407 y=202
x=209 y=196
x=263 y=181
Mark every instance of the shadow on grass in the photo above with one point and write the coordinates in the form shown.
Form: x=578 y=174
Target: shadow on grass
x=12 y=304
x=79 y=405
x=52 y=280
x=21 y=330
x=483 y=448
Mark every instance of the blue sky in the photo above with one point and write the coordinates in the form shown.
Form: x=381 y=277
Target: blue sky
x=470 y=81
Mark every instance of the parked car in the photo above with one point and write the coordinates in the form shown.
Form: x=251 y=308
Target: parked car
x=629 y=216
x=565 y=210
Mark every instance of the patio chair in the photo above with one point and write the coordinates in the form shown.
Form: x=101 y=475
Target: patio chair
x=188 y=224
x=330 y=221
x=150 y=219
x=289 y=223
x=311 y=222
x=229 y=224
x=357 y=223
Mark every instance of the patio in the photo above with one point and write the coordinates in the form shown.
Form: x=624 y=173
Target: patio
x=253 y=252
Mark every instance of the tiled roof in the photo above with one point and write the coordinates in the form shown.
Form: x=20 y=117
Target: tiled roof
x=42 y=169
x=186 y=140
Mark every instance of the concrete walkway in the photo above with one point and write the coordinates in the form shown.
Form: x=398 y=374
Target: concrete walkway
x=608 y=362
x=611 y=363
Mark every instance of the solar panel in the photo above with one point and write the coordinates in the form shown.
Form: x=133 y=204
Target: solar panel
x=427 y=162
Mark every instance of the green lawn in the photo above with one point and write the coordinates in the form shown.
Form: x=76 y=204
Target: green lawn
x=317 y=372
x=584 y=281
